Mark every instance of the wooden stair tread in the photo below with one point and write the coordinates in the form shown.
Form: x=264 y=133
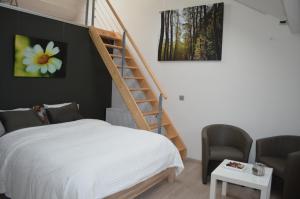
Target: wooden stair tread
x=155 y=125
x=119 y=56
x=132 y=77
x=109 y=35
x=181 y=148
x=113 y=46
x=116 y=38
x=150 y=113
x=144 y=100
x=139 y=89
x=171 y=136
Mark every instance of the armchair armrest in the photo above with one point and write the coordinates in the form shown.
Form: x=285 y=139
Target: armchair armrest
x=205 y=146
x=246 y=145
x=205 y=155
x=292 y=177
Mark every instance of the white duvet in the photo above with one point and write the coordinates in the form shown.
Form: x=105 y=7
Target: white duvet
x=85 y=159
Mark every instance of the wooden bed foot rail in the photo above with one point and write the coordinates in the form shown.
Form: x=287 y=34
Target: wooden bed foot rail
x=133 y=192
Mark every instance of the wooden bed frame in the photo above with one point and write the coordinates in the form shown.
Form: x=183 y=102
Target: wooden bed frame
x=140 y=188
x=136 y=190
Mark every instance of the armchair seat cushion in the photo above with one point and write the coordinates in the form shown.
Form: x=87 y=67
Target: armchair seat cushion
x=278 y=164
x=225 y=152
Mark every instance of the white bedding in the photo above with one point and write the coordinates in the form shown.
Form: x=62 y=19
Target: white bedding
x=85 y=159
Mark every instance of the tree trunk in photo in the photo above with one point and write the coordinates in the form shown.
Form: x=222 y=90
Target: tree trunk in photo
x=161 y=39
x=191 y=35
x=195 y=29
x=200 y=20
x=177 y=36
x=171 y=36
x=200 y=31
x=166 y=49
x=191 y=10
x=205 y=32
x=220 y=28
x=216 y=36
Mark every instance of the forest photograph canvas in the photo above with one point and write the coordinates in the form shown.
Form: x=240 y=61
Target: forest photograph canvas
x=39 y=57
x=193 y=33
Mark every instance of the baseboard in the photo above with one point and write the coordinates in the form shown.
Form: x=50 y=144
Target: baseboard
x=193 y=160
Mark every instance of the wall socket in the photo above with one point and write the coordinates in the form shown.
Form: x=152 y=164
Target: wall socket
x=181 y=97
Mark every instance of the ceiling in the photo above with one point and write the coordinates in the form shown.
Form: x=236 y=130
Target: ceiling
x=292 y=8
x=70 y=9
x=282 y=9
x=271 y=7
x=63 y=9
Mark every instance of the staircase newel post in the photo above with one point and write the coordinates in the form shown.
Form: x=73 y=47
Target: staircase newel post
x=87 y=12
x=159 y=116
x=93 y=12
x=123 y=52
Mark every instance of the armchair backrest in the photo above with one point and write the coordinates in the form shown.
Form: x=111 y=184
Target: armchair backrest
x=279 y=146
x=290 y=144
x=226 y=135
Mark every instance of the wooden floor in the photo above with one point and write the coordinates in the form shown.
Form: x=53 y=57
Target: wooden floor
x=189 y=186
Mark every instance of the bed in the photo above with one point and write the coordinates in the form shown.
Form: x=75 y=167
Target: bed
x=84 y=159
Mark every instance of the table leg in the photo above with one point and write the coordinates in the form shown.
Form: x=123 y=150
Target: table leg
x=224 y=188
x=264 y=193
x=269 y=188
x=213 y=184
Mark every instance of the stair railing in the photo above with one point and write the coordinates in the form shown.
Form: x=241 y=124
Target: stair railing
x=159 y=116
x=87 y=5
x=123 y=53
x=162 y=94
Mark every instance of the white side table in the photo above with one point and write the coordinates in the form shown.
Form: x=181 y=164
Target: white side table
x=243 y=178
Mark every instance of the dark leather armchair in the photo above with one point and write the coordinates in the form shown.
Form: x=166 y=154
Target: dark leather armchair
x=219 y=142
x=282 y=153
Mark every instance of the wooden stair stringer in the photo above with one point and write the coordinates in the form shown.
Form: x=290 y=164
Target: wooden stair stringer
x=171 y=130
x=117 y=78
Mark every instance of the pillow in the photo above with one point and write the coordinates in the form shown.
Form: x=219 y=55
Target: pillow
x=2 y=129
x=62 y=114
x=41 y=113
x=58 y=105
x=14 y=120
x=17 y=109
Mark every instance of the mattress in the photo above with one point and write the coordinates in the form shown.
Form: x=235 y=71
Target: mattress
x=84 y=159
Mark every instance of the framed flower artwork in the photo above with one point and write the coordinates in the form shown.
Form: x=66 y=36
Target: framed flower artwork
x=39 y=57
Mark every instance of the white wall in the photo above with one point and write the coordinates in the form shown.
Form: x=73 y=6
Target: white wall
x=256 y=86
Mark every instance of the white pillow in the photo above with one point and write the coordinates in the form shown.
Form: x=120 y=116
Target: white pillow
x=17 y=109
x=58 y=105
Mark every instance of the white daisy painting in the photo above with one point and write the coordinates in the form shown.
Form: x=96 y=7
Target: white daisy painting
x=39 y=57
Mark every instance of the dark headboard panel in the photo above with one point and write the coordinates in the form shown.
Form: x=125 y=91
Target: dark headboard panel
x=87 y=80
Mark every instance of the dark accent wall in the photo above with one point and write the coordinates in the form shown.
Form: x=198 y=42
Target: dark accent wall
x=87 y=80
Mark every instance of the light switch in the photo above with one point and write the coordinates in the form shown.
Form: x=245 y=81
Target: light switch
x=181 y=97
